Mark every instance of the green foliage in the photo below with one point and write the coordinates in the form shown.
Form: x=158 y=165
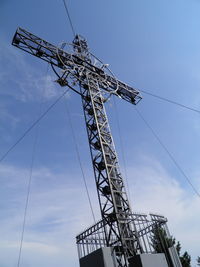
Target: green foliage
x=178 y=248
x=160 y=241
x=185 y=259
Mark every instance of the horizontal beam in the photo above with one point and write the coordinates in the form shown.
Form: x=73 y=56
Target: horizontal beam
x=62 y=59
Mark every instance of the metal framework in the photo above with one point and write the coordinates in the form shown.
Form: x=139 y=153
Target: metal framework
x=93 y=238
x=87 y=75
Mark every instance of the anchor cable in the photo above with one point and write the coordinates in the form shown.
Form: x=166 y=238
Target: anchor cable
x=79 y=160
x=122 y=148
x=169 y=153
x=69 y=17
x=31 y=175
x=33 y=124
x=170 y=101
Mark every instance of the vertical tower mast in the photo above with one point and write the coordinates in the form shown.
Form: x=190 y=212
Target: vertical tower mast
x=113 y=200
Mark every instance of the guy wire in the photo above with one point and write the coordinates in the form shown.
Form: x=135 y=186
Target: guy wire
x=169 y=153
x=69 y=17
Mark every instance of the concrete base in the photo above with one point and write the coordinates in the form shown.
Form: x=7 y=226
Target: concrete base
x=149 y=260
x=99 y=258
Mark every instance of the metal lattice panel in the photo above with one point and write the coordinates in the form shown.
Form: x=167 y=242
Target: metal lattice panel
x=94 y=237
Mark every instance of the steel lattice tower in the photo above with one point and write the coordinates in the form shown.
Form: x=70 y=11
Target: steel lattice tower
x=95 y=83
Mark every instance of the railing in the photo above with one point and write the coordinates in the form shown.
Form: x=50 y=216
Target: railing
x=93 y=238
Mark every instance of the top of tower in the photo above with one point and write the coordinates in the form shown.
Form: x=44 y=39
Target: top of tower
x=80 y=44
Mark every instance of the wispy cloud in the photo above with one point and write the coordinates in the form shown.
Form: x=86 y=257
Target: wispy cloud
x=155 y=190
x=24 y=82
x=55 y=215
x=22 y=85
x=6 y=116
x=59 y=210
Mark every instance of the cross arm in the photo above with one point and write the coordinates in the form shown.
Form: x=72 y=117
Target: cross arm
x=39 y=47
x=124 y=91
x=56 y=56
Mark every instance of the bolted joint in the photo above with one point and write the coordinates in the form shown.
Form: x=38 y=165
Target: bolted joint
x=101 y=165
x=106 y=190
x=90 y=111
x=39 y=52
x=118 y=250
x=112 y=217
x=62 y=82
x=97 y=145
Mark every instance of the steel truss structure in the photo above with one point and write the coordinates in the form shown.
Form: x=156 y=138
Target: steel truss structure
x=89 y=77
x=94 y=237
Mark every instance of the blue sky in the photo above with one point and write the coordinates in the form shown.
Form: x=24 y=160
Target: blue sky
x=153 y=46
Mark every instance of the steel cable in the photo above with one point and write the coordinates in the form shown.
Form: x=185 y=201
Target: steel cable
x=69 y=17
x=170 y=101
x=33 y=125
x=30 y=177
x=169 y=153
x=79 y=160
x=122 y=148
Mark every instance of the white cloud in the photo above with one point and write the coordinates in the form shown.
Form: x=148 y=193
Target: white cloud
x=31 y=246
x=22 y=84
x=35 y=87
x=19 y=79
x=6 y=116
x=58 y=211
x=154 y=190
